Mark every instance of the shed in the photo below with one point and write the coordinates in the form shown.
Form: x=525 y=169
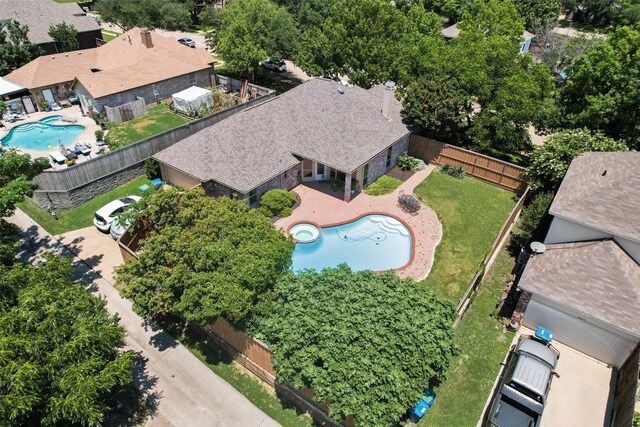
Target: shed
x=192 y=99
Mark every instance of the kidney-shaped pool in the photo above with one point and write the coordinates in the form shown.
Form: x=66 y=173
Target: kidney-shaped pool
x=373 y=242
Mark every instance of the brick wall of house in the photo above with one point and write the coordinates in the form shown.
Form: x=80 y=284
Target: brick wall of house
x=378 y=165
x=165 y=89
x=287 y=181
x=214 y=189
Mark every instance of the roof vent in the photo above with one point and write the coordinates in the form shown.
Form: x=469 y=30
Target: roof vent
x=53 y=57
x=66 y=55
x=604 y=173
x=341 y=90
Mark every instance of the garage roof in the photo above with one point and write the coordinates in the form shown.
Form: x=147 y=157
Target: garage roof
x=597 y=278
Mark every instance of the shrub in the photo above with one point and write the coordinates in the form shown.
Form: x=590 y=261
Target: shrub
x=99 y=135
x=383 y=185
x=277 y=202
x=532 y=223
x=454 y=171
x=407 y=162
x=151 y=169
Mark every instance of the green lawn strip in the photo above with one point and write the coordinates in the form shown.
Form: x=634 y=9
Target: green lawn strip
x=209 y=353
x=483 y=345
x=471 y=213
x=383 y=185
x=109 y=35
x=157 y=120
x=82 y=216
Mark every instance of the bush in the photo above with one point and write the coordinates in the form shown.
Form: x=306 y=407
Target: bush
x=151 y=168
x=409 y=163
x=99 y=135
x=277 y=202
x=454 y=171
x=532 y=224
x=383 y=185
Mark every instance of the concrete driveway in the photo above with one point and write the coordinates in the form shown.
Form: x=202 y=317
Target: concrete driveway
x=179 y=390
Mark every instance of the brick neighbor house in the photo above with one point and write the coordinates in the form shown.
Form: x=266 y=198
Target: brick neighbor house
x=318 y=131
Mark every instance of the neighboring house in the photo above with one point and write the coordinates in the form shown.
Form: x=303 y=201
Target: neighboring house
x=453 y=31
x=15 y=97
x=40 y=14
x=319 y=130
x=586 y=285
x=135 y=64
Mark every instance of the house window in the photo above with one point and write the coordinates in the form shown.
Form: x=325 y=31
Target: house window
x=253 y=196
x=365 y=175
x=389 y=152
x=192 y=77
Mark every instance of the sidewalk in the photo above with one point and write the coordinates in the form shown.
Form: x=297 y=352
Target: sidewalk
x=184 y=391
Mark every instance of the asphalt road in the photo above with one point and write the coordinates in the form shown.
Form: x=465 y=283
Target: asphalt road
x=181 y=390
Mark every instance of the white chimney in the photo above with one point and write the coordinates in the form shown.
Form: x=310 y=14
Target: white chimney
x=388 y=98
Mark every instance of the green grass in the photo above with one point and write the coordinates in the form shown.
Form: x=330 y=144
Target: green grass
x=252 y=388
x=157 y=120
x=109 y=35
x=383 y=185
x=471 y=213
x=483 y=345
x=82 y=216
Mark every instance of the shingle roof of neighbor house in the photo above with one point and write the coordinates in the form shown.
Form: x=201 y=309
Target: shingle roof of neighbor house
x=312 y=120
x=124 y=63
x=602 y=191
x=39 y=14
x=597 y=278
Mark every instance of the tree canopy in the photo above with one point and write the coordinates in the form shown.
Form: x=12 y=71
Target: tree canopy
x=207 y=257
x=15 y=47
x=604 y=91
x=368 y=343
x=167 y=14
x=254 y=30
x=65 y=36
x=58 y=349
x=550 y=162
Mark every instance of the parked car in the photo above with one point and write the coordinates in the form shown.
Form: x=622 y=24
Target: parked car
x=106 y=215
x=525 y=384
x=118 y=228
x=187 y=42
x=279 y=66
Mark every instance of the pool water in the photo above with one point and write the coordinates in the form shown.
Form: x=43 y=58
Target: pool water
x=40 y=135
x=373 y=242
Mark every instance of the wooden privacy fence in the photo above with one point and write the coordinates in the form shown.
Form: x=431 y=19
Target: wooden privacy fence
x=488 y=260
x=498 y=172
x=126 y=112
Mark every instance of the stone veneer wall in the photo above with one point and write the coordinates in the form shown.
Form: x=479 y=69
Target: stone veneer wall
x=378 y=165
x=213 y=189
x=77 y=196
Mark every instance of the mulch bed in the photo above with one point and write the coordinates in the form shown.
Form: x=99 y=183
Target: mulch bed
x=398 y=173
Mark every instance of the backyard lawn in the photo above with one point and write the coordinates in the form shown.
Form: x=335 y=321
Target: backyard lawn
x=157 y=120
x=483 y=345
x=471 y=212
x=109 y=35
x=82 y=216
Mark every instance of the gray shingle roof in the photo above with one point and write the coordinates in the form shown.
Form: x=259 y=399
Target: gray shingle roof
x=608 y=202
x=597 y=278
x=39 y=14
x=313 y=121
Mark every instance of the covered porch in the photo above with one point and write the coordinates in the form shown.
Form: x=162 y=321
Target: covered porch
x=348 y=184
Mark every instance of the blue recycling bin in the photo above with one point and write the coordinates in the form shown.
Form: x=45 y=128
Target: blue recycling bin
x=156 y=183
x=544 y=334
x=426 y=401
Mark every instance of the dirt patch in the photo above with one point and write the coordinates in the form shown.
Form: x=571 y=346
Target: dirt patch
x=398 y=173
x=142 y=124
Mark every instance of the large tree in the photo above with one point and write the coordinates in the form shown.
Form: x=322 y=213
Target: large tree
x=15 y=47
x=539 y=13
x=369 y=344
x=59 y=360
x=253 y=30
x=603 y=93
x=207 y=257
x=16 y=174
x=65 y=36
x=550 y=162
x=167 y=14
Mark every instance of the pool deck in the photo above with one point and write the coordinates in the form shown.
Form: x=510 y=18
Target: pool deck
x=324 y=209
x=74 y=111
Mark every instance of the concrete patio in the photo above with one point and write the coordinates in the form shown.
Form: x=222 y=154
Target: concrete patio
x=322 y=208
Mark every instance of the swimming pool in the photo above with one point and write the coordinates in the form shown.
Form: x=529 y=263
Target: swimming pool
x=40 y=135
x=374 y=242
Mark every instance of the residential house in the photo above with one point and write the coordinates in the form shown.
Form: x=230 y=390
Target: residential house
x=453 y=31
x=39 y=15
x=15 y=97
x=136 y=64
x=586 y=285
x=319 y=130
